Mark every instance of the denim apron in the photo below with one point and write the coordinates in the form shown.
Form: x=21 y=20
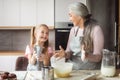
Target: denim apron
x=75 y=47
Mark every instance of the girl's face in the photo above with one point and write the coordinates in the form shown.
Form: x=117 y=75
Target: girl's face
x=42 y=34
x=74 y=18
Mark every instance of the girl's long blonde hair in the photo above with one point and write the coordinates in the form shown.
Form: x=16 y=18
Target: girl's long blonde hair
x=34 y=39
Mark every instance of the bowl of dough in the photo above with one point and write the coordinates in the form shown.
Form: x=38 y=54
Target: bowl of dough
x=62 y=70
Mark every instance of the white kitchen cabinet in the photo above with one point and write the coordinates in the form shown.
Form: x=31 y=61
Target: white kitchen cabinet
x=8 y=63
x=1 y=11
x=45 y=12
x=9 y=12
x=26 y=12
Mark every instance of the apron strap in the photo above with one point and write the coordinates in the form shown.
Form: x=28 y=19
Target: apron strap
x=76 y=32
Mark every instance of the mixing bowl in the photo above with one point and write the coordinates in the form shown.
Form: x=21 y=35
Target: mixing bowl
x=62 y=69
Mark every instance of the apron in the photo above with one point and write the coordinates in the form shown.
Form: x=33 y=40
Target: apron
x=39 y=64
x=75 y=47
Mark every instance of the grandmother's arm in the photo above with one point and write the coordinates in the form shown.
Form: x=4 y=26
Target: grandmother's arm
x=98 y=45
x=68 y=50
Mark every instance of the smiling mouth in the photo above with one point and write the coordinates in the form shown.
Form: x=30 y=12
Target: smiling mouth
x=43 y=38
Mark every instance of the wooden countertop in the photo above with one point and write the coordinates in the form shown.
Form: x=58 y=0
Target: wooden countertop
x=75 y=75
x=11 y=53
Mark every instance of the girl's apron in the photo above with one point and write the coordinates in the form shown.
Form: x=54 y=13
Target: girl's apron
x=75 y=46
x=38 y=65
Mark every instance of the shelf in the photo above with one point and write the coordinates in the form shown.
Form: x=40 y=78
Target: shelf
x=15 y=27
x=11 y=53
x=14 y=39
x=20 y=27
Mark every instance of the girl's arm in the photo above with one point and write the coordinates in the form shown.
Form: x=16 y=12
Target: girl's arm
x=30 y=55
x=32 y=58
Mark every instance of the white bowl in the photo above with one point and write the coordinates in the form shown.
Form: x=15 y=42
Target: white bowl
x=63 y=69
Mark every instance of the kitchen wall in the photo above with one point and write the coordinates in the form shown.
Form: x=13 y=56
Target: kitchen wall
x=118 y=26
x=104 y=12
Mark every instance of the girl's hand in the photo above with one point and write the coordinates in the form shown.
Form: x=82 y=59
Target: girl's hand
x=41 y=57
x=34 y=55
x=33 y=58
x=46 y=60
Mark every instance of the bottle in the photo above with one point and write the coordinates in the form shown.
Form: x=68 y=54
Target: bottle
x=38 y=51
x=47 y=73
x=108 y=67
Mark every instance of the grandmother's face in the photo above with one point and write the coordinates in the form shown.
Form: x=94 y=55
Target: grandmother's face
x=74 y=18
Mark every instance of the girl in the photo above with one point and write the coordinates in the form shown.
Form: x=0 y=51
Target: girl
x=38 y=52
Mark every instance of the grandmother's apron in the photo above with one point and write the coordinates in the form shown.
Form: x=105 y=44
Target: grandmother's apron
x=75 y=46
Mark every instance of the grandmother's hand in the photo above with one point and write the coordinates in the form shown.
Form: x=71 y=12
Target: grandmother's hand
x=60 y=53
x=83 y=54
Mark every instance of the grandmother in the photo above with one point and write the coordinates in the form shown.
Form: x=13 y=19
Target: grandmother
x=86 y=39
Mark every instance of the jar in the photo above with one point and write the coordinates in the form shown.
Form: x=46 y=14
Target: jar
x=108 y=67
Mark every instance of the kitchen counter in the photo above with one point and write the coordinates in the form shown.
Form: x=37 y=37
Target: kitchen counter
x=75 y=75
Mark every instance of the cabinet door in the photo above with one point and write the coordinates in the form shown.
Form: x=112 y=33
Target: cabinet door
x=9 y=12
x=8 y=63
x=61 y=9
x=45 y=12
x=1 y=11
x=28 y=12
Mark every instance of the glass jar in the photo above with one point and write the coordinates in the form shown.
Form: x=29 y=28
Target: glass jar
x=108 y=67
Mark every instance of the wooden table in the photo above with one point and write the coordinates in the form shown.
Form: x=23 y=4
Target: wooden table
x=75 y=75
